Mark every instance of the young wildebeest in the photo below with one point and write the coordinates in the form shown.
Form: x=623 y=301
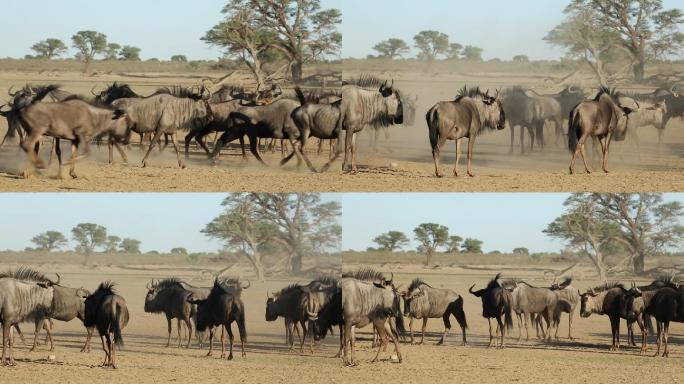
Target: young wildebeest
x=609 y=300
x=366 y=303
x=288 y=303
x=67 y=304
x=422 y=301
x=496 y=303
x=170 y=297
x=470 y=114
x=22 y=300
x=107 y=311
x=361 y=107
x=221 y=308
x=604 y=118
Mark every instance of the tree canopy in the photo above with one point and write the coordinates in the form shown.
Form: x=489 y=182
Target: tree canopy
x=391 y=48
x=49 y=241
x=88 y=44
x=49 y=48
x=431 y=236
x=89 y=236
x=391 y=241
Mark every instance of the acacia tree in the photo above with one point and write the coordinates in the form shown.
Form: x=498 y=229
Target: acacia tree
x=129 y=53
x=472 y=53
x=179 y=58
x=471 y=245
x=128 y=245
x=391 y=48
x=89 y=236
x=431 y=236
x=454 y=243
x=49 y=48
x=112 y=51
x=521 y=251
x=455 y=50
x=391 y=240
x=431 y=44
x=49 y=241
x=112 y=243
x=89 y=44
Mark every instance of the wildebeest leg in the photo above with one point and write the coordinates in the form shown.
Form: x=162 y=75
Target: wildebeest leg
x=503 y=330
x=230 y=340
x=223 y=341
x=615 y=330
x=55 y=142
x=510 y=150
x=174 y=141
x=301 y=346
x=347 y=344
x=178 y=327
x=105 y=348
x=21 y=335
x=86 y=346
x=435 y=155
x=29 y=145
x=491 y=337
x=211 y=341
x=10 y=343
x=411 y=328
x=49 y=326
x=605 y=152
x=6 y=326
x=630 y=334
x=422 y=335
x=666 y=331
x=39 y=326
x=253 y=147
x=471 y=143
x=458 y=156
x=168 y=340
x=156 y=138
x=121 y=152
x=447 y=326
x=584 y=157
x=189 y=325
x=339 y=353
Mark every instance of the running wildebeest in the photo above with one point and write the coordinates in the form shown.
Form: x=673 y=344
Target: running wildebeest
x=107 y=311
x=67 y=304
x=361 y=107
x=609 y=299
x=221 y=308
x=366 y=303
x=422 y=301
x=170 y=297
x=288 y=303
x=469 y=115
x=28 y=299
x=604 y=118
x=496 y=303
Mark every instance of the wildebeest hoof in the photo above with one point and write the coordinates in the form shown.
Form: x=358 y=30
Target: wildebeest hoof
x=182 y=166
x=230 y=357
x=470 y=174
x=439 y=175
x=209 y=354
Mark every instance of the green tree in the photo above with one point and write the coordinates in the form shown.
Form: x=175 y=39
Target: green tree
x=128 y=245
x=89 y=44
x=112 y=243
x=454 y=50
x=112 y=51
x=521 y=59
x=472 y=53
x=391 y=48
x=89 y=236
x=179 y=58
x=179 y=251
x=391 y=241
x=431 y=44
x=471 y=245
x=431 y=236
x=521 y=251
x=129 y=53
x=49 y=241
x=454 y=243
x=49 y=48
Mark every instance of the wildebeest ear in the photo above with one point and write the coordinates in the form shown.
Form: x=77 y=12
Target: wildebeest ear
x=627 y=111
x=378 y=285
x=43 y=285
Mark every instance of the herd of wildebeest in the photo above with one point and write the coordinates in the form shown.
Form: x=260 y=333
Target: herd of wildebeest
x=352 y=301
x=294 y=115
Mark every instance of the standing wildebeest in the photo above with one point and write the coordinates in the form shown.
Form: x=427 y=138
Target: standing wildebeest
x=517 y=106
x=288 y=303
x=528 y=301
x=67 y=304
x=422 y=301
x=361 y=107
x=609 y=299
x=323 y=299
x=604 y=117
x=22 y=300
x=170 y=297
x=468 y=115
x=568 y=298
x=667 y=305
x=74 y=120
x=107 y=311
x=165 y=114
x=366 y=303
x=496 y=303
x=221 y=308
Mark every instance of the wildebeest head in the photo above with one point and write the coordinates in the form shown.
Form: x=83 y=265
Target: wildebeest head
x=394 y=108
x=413 y=291
x=114 y=92
x=494 y=113
x=92 y=301
x=587 y=300
x=493 y=284
x=659 y=111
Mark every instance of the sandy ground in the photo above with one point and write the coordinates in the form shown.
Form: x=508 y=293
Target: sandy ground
x=146 y=359
x=404 y=163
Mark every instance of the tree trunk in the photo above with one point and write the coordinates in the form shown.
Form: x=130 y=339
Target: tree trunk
x=86 y=259
x=255 y=259
x=638 y=262
x=428 y=260
x=639 y=69
x=297 y=68
x=296 y=263
x=600 y=268
x=86 y=67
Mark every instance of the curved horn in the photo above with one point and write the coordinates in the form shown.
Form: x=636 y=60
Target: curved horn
x=392 y=84
x=312 y=315
x=148 y=285
x=572 y=89
x=9 y=91
x=59 y=278
x=92 y=90
x=471 y=289
x=249 y=284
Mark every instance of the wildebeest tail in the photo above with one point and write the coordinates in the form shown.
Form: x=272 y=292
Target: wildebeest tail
x=242 y=328
x=649 y=323
x=432 y=118
x=459 y=313
x=573 y=131
x=399 y=318
x=300 y=95
x=508 y=315
x=116 y=325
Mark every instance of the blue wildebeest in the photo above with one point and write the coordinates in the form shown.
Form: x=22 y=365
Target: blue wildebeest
x=603 y=117
x=221 y=308
x=323 y=299
x=497 y=304
x=170 y=297
x=67 y=304
x=468 y=116
x=361 y=107
x=674 y=105
x=568 y=299
x=422 y=301
x=28 y=299
x=517 y=107
x=529 y=301
x=546 y=109
x=666 y=305
x=366 y=303
x=107 y=311
x=289 y=304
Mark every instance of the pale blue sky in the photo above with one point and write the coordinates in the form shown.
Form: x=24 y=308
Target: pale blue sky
x=502 y=220
x=504 y=28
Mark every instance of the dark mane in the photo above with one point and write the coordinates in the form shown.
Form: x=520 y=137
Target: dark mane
x=326 y=280
x=567 y=280
x=367 y=274
x=365 y=81
x=179 y=91
x=169 y=282
x=494 y=283
x=96 y=102
x=607 y=286
x=26 y=274
x=105 y=288
x=417 y=282
x=117 y=91
x=289 y=288
x=603 y=90
x=472 y=92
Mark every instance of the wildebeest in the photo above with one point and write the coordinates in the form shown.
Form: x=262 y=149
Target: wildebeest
x=608 y=300
x=170 y=297
x=422 y=301
x=517 y=107
x=469 y=115
x=289 y=304
x=28 y=299
x=107 y=311
x=603 y=117
x=649 y=114
x=366 y=303
x=496 y=303
x=529 y=301
x=667 y=305
x=221 y=308
x=324 y=308
x=361 y=107
x=568 y=299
